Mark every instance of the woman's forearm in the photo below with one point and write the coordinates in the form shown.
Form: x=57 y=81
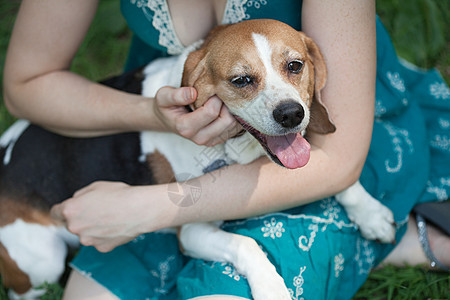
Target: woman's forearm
x=242 y=191
x=72 y=105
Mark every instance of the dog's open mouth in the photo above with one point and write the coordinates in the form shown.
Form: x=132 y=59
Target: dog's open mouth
x=291 y=150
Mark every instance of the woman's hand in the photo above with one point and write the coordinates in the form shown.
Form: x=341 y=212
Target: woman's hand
x=108 y=214
x=208 y=125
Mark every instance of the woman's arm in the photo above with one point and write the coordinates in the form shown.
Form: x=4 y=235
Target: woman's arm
x=39 y=86
x=37 y=81
x=345 y=31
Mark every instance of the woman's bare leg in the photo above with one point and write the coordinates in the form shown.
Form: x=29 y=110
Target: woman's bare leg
x=80 y=287
x=410 y=252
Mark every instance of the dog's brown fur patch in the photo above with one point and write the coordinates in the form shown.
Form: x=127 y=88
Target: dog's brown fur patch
x=161 y=168
x=19 y=210
x=12 y=276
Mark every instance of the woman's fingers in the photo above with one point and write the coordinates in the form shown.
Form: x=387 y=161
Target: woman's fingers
x=169 y=96
x=210 y=124
x=207 y=125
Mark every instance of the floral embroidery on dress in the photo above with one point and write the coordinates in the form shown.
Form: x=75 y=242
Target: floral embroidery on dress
x=332 y=211
x=298 y=283
x=338 y=264
x=273 y=228
x=400 y=137
x=230 y=271
x=305 y=243
x=444 y=123
x=441 y=142
x=312 y=218
x=256 y=3
x=380 y=109
x=331 y=208
x=405 y=102
x=364 y=256
x=440 y=90
x=439 y=191
x=396 y=81
x=163 y=275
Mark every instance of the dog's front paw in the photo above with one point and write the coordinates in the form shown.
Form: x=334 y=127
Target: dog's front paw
x=375 y=221
x=269 y=287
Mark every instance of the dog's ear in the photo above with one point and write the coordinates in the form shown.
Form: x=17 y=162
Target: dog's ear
x=320 y=121
x=196 y=74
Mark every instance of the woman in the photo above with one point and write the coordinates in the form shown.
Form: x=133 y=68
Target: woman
x=318 y=244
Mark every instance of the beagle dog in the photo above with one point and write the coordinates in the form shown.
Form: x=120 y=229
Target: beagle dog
x=267 y=74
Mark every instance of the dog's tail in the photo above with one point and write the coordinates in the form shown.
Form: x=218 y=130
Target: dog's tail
x=9 y=139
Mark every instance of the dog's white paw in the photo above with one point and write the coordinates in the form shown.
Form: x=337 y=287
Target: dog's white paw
x=375 y=221
x=269 y=287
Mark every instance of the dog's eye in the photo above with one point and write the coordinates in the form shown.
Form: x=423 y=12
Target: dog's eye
x=242 y=81
x=295 y=66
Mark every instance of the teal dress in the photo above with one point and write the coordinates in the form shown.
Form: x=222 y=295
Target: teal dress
x=315 y=248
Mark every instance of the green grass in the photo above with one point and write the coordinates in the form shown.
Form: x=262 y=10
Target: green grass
x=7 y=16
x=405 y=283
x=420 y=32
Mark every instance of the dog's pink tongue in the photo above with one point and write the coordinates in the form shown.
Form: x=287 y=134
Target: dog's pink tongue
x=292 y=150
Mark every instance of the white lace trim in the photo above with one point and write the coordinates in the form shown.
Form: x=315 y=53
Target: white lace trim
x=162 y=21
x=234 y=12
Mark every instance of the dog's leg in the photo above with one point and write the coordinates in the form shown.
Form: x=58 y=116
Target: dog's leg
x=38 y=251
x=375 y=221
x=207 y=241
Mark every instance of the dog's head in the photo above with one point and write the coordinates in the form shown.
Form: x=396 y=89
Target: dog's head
x=269 y=76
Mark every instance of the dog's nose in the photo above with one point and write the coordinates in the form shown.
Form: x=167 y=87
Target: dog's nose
x=289 y=114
